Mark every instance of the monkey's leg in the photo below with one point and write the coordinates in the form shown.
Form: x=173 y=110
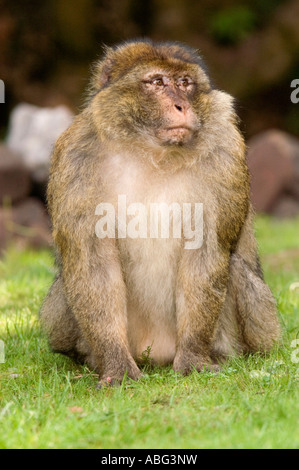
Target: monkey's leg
x=58 y=321
x=228 y=340
x=96 y=292
x=255 y=306
x=248 y=321
x=200 y=297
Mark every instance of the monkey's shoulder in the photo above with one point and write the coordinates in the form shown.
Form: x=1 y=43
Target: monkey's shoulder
x=76 y=157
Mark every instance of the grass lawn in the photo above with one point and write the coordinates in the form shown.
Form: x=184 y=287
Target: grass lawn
x=47 y=401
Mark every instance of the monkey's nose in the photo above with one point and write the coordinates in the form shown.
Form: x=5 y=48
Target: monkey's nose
x=179 y=108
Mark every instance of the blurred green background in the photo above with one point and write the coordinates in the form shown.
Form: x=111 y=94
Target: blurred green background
x=251 y=48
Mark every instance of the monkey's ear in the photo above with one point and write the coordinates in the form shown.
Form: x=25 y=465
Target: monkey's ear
x=105 y=69
x=105 y=75
x=102 y=71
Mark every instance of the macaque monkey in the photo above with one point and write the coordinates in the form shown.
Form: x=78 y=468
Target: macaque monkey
x=154 y=131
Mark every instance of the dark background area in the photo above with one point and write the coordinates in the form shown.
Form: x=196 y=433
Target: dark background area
x=251 y=48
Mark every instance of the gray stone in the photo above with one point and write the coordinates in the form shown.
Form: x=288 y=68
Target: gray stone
x=15 y=182
x=271 y=164
x=287 y=206
x=25 y=224
x=32 y=134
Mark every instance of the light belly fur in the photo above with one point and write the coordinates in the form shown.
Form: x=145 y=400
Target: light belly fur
x=150 y=274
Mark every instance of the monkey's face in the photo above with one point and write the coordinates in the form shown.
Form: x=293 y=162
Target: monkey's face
x=150 y=94
x=168 y=96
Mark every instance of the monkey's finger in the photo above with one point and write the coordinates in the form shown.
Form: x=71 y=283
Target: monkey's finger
x=108 y=382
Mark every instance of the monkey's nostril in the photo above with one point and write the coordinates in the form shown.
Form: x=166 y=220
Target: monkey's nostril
x=178 y=107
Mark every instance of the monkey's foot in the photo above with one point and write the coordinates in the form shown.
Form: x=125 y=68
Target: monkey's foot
x=185 y=364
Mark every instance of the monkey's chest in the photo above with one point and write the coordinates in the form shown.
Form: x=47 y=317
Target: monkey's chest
x=150 y=230
x=150 y=271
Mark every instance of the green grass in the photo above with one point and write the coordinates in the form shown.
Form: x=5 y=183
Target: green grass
x=47 y=401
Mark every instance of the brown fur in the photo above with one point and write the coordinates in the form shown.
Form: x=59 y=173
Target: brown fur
x=115 y=297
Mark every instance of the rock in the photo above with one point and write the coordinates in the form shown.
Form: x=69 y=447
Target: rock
x=26 y=224
x=294 y=186
x=15 y=182
x=32 y=134
x=287 y=206
x=271 y=161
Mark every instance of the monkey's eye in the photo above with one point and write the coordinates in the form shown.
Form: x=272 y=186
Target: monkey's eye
x=157 y=81
x=184 y=83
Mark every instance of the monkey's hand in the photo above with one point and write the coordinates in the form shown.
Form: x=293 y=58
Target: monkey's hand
x=116 y=366
x=108 y=381
x=201 y=290
x=186 y=362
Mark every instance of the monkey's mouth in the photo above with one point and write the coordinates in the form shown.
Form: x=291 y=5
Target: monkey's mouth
x=176 y=134
x=179 y=128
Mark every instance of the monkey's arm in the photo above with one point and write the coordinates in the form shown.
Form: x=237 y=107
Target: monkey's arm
x=90 y=267
x=201 y=289
x=95 y=291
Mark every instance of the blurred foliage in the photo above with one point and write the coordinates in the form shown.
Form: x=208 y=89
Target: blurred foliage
x=232 y=25
x=292 y=120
